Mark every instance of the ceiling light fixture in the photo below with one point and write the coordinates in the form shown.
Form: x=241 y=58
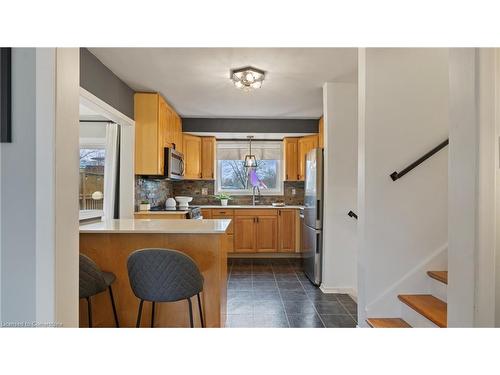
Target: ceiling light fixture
x=250 y=160
x=247 y=78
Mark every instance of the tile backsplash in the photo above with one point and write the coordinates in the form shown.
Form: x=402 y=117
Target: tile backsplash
x=154 y=190
x=158 y=190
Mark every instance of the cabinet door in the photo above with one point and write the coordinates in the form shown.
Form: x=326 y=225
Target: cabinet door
x=206 y=213
x=287 y=230
x=192 y=157
x=178 y=134
x=148 y=159
x=291 y=159
x=207 y=158
x=321 y=133
x=244 y=234
x=266 y=237
x=305 y=144
x=170 y=131
x=163 y=118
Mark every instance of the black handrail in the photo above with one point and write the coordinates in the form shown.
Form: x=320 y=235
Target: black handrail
x=396 y=175
x=352 y=214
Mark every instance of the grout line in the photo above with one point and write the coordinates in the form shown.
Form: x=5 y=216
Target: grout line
x=314 y=306
x=281 y=298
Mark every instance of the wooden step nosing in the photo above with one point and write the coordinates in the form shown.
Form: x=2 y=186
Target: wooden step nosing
x=422 y=311
x=435 y=276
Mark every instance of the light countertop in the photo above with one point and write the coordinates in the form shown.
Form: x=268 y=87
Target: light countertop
x=174 y=226
x=249 y=206
x=166 y=212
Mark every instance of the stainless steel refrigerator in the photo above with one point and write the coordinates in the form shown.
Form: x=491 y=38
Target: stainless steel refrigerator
x=312 y=225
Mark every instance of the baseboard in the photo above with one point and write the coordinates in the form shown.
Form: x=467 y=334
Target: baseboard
x=264 y=255
x=351 y=291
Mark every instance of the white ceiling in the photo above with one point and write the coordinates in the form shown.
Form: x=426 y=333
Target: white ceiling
x=195 y=81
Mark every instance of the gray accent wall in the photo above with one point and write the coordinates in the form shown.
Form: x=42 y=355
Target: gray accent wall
x=98 y=79
x=235 y=125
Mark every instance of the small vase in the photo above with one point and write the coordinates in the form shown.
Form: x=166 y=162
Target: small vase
x=144 y=207
x=223 y=202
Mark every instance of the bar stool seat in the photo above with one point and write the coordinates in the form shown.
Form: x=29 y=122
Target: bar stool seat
x=94 y=281
x=164 y=275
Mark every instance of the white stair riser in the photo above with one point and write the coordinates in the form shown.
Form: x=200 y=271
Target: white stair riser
x=415 y=319
x=438 y=289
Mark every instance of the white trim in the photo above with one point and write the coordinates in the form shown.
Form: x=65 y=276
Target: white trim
x=336 y=290
x=127 y=149
x=92 y=102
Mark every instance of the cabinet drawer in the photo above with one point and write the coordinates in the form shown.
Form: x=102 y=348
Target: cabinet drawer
x=222 y=211
x=206 y=213
x=256 y=212
x=230 y=227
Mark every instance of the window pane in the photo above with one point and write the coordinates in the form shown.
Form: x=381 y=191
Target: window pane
x=92 y=178
x=233 y=174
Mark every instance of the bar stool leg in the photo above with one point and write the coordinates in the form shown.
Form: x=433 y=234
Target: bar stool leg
x=89 y=307
x=114 y=307
x=138 y=324
x=201 y=312
x=190 y=313
x=153 y=315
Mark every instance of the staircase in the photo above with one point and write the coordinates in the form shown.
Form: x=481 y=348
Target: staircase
x=426 y=305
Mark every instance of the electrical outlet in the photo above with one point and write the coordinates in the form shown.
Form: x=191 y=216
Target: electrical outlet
x=204 y=191
x=294 y=191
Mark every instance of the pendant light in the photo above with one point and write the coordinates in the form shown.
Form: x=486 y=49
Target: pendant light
x=250 y=160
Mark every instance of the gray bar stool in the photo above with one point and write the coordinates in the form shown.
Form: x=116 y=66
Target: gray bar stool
x=94 y=281
x=162 y=275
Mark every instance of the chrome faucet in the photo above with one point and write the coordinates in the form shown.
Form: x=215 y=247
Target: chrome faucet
x=253 y=195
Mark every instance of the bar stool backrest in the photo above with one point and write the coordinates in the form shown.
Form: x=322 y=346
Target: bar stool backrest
x=91 y=278
x=163 y=275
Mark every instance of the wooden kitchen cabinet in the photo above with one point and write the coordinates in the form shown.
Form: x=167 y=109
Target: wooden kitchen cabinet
x=305 y=144
x=266 y=234
x=199 y=157
x=208 y=158
x=244 y=234
x=155 y=129
x=290 y=146
x=287 y=230
x=191 y=146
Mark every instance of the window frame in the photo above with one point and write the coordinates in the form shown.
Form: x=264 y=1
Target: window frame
x=278 y=191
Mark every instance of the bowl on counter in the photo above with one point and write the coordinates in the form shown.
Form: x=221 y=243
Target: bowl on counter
x=183 y=201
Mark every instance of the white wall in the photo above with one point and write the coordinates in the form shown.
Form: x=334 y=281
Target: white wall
x=39 y=186
x=403 y=103
x=340 y=184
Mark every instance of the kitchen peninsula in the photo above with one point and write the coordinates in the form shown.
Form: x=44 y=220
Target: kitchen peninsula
x=109 y=243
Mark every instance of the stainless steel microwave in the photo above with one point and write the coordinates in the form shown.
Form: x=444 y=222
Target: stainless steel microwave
x=174 y=164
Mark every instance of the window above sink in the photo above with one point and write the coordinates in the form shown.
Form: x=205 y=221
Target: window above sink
x=233 y=178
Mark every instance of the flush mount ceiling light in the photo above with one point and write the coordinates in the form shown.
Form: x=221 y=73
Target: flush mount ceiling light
x=247 y=78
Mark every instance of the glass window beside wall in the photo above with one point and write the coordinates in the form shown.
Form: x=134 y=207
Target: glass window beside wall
x=232 y=176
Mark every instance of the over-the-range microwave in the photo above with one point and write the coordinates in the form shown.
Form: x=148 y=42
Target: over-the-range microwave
x=174 y=164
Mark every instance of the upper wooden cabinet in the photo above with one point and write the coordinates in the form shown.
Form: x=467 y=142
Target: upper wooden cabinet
x=199 y=157
x=208 y=158
x=291 y=159
x=305 y=144
x=295 y=155
x=321 y=133
x=156 y=126
x=192 y=156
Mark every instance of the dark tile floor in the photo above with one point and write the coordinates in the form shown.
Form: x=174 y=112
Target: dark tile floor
x=275 y=293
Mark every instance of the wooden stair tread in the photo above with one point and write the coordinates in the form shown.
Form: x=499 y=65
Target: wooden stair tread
x=387 y=323
x=439 y=276
x=427 y=305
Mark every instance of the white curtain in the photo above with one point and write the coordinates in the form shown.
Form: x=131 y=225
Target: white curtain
x=110 y=170
x=263 y=150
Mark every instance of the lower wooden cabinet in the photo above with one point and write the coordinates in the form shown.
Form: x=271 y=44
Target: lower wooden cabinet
x=287 y=230
x=256 y=230
x=244 y=234
x=266 y=234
